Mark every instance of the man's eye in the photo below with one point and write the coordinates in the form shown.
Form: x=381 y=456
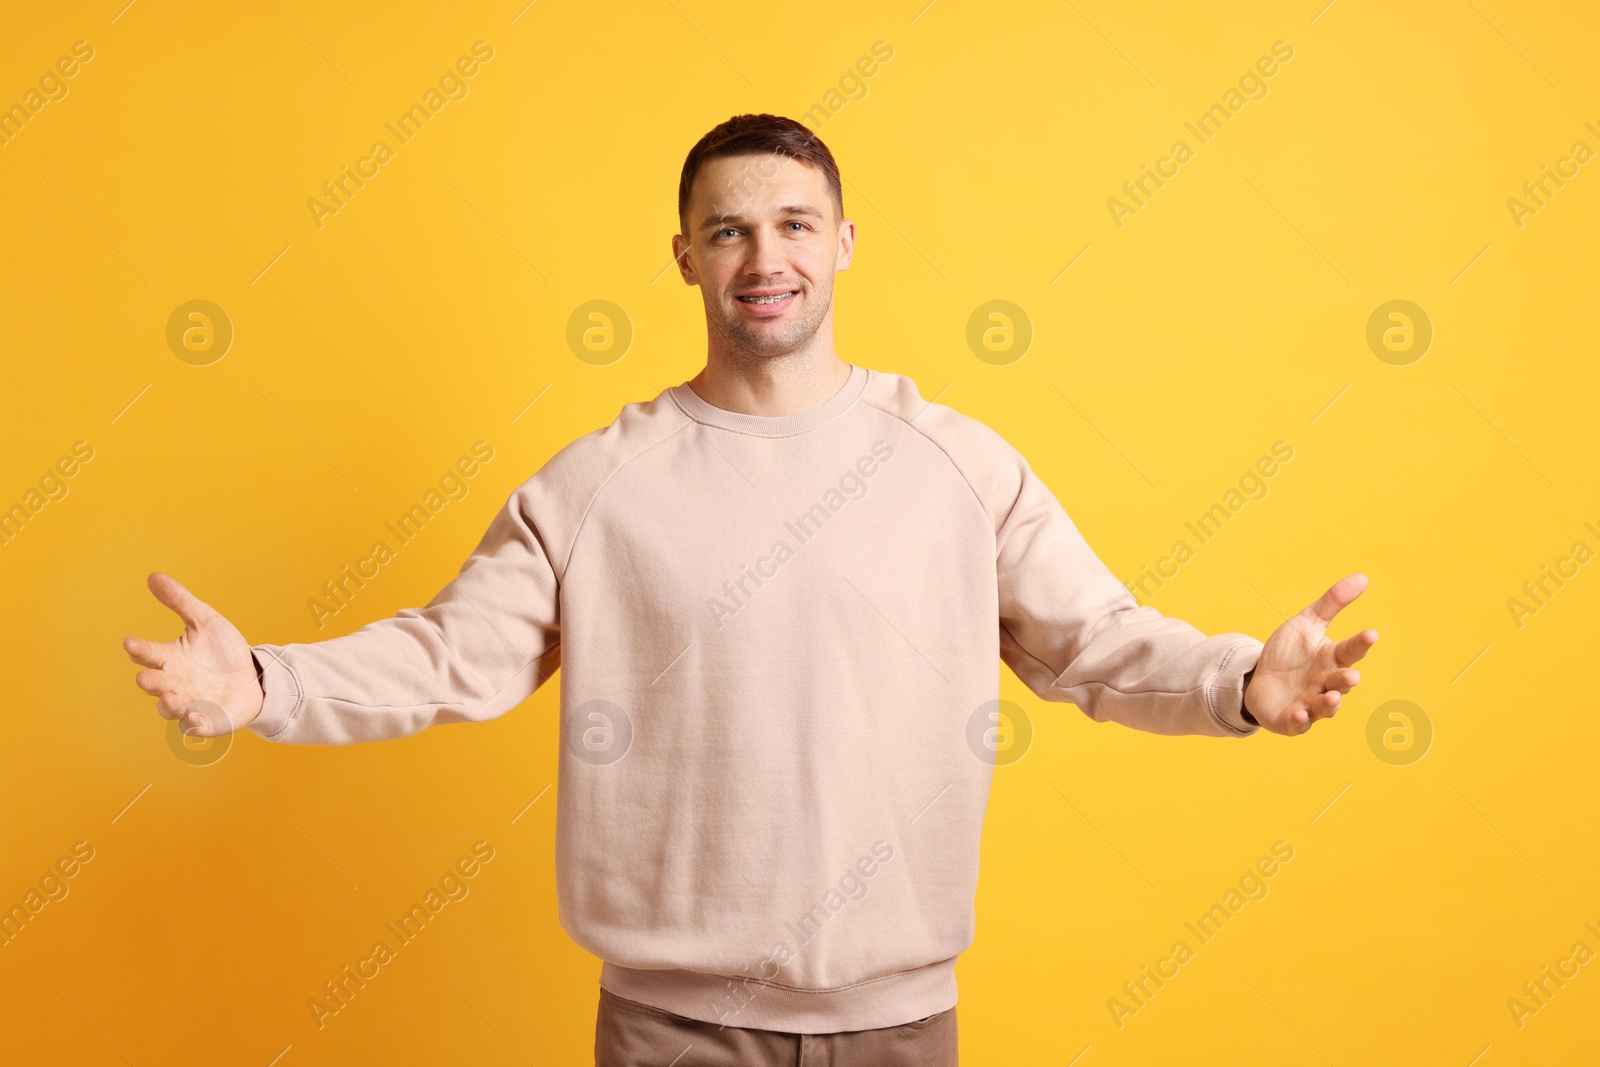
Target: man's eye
x=799 y=224
x=724 y=233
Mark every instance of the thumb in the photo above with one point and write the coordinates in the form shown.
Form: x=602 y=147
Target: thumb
x=188 y=607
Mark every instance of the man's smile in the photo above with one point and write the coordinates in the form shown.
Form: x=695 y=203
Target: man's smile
x=765 y=303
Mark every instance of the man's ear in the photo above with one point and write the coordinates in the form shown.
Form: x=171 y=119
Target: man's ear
x=847 y=244
x=685 y=263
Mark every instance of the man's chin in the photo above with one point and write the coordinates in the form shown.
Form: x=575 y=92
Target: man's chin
x=767 y=342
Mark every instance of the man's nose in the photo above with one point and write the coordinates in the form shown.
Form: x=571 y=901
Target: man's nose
x=766 y=255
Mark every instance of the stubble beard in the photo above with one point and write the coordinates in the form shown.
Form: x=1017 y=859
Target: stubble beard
x=759 y=341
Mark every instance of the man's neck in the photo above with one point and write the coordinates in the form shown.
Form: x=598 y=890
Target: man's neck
x=782 y=385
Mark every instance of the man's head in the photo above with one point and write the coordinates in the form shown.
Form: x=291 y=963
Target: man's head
x=762 y=233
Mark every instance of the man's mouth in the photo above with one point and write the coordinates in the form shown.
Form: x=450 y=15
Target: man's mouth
x=769 y=297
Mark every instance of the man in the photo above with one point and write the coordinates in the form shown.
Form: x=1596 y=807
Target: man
x=780 y=593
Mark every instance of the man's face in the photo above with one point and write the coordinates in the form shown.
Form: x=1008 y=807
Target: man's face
x=763 y=243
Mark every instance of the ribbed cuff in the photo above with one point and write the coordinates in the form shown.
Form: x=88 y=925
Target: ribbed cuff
x=282 y=691
x=1225 y=694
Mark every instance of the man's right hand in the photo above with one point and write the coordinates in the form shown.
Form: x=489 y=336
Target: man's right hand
x=207 y=677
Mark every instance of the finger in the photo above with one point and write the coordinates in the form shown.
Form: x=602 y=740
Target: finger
x=202 y=718
x=145 y=653
x=1341 y=681
x=1300 y=720
x=1353 y=648
x=1338 y=596
x=169 y=704
x=188 y=607
x=154 y=682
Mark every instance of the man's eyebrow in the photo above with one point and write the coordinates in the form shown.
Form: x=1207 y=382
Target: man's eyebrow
x=790 y=209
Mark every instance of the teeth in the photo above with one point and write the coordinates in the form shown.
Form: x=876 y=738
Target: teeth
x=766 y=299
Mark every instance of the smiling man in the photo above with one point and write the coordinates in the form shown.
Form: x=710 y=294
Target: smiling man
x=779 y=594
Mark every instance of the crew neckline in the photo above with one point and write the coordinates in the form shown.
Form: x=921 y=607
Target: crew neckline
x=700 y=410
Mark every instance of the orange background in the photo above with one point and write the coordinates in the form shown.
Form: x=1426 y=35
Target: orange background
x=1167 y=355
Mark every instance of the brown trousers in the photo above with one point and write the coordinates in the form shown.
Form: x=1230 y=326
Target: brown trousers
x=629 y=1034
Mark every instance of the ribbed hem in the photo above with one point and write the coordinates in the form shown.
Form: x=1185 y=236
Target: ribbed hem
x=692 y=405
x=282 y=690
x=744 y=1002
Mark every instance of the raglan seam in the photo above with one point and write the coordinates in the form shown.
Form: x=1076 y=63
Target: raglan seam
x=1205 y=688
x=577 y=532
x=302 y=694
x=1055 y=675
x=948 y=458
x=953 y=462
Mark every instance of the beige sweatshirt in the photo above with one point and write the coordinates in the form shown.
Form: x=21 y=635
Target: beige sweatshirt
x=781 y=640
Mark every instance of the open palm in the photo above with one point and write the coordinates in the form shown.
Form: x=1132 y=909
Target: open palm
x=207 y=676
x=1301 y=674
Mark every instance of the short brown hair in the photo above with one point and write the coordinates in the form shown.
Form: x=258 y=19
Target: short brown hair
x=747 y=134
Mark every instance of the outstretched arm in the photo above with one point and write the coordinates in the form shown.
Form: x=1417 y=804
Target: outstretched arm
x=1072 y=632
x=479 y=648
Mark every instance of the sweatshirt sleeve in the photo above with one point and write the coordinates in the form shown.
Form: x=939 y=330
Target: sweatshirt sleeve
x=479 y=648
x=1072 y=632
